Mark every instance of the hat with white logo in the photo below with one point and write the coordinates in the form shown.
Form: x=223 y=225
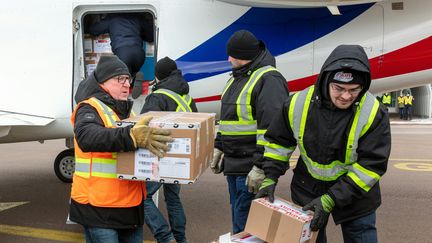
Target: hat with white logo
x=347 y=77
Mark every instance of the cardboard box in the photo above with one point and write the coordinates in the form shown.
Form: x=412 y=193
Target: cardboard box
x=241 y=237
x=189 y=154
x=102 y=44
x=279 y=222
x=88 y=43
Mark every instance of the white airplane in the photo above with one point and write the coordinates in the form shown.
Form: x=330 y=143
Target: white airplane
x=43 y=57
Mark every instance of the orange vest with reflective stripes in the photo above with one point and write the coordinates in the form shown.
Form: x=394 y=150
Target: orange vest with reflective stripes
x=95 y=177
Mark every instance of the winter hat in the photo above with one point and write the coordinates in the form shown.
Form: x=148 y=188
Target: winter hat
x=108 y=67
x=347 y=76
x=164 y=67
x=243 y=45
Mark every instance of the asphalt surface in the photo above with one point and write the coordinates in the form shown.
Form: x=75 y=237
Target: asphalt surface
x=27 y=177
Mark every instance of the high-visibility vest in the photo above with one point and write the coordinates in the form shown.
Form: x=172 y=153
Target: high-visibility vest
x=297 y=114
x=408 y=100
x=183 y=102
x=95 y=178
x=386 y=99
x=246 y=123
x=401 y=101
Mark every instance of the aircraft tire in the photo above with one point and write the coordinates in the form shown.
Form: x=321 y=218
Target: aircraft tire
x=64 y=165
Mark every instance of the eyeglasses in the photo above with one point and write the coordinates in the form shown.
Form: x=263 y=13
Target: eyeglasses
x=339 y=90
x=124 y=79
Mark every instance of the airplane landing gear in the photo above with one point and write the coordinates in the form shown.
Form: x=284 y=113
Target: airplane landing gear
x=64 y=165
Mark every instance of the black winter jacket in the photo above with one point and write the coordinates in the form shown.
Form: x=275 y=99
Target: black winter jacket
x=92 y=135
x=125 y=29
x=268 y=94
x=160 y=102
x=325 y=139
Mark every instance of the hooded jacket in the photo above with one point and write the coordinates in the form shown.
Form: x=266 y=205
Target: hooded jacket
x=268 y=94
x=160 y=102
x=92 y=135
x=325 y=140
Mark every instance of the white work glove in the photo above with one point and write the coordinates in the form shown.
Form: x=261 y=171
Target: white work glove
x=254 y=179
x=216 y=163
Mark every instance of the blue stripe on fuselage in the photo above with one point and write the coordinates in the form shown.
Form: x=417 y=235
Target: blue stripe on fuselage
x=282 y=30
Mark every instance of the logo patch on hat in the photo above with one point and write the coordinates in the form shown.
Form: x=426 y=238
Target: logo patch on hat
x=343 y=77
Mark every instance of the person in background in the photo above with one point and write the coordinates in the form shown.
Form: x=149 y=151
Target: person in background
x=109 y=209
x=170 y=93
x=343 y=134
x=255 y=90
x=127 y=32
x=408 y=106
x=401 y=106
x=386 y=99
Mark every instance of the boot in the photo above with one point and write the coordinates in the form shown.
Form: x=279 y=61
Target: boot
x=137 y=86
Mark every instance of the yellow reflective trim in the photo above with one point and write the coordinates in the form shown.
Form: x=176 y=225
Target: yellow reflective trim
x=351 y=134
x=104 y=161
x=358 y=181
x=276 y=146
x=249 y=92
x=371 y=118
x=82 y=160
x=276 y=157
x=237 y=133
x=291 y=110
x=262 y=142
x=237 y=122
x=227 y=86
x=104 y=175
x=261 y=131
x=179 y=105
x=82 y=174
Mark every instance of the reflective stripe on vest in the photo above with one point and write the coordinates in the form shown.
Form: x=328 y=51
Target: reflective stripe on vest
x=386 y=99
x=246 y=125
x=364 y=116
x=278 y=152
x=98 y=164
x=183 y=102
x=408 y=100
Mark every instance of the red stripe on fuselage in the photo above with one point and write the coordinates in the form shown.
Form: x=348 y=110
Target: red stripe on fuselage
x=412 y=58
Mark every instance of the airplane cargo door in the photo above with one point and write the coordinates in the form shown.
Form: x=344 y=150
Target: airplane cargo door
x=357 y=24
x=89 y=47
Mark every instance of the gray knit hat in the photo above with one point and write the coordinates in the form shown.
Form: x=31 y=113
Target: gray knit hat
x=108 y=67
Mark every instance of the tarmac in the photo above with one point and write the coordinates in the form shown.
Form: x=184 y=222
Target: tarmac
x=34 y=203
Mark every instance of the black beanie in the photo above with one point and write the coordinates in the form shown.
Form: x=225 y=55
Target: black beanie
x=243 y=45
x=347 y=76
x=110 y=66
x=164 y=67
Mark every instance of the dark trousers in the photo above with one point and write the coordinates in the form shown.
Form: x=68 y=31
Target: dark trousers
x=132 y=56
x=240 y=200
x=401 y=112
x=408 y=112
x=155 y=220
x=361 y=230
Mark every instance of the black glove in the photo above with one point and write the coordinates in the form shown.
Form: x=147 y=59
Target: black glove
x=322 y=206
x=267 y=189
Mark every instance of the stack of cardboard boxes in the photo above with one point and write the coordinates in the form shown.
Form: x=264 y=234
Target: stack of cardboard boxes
x=94 y=48
x=189 y=155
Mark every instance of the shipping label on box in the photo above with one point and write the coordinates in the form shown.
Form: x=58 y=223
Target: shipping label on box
x=280 y=222
x=102 y=44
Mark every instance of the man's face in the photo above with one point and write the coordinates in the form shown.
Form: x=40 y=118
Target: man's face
x=236 y=63
x=118 y=87
x=344 y=95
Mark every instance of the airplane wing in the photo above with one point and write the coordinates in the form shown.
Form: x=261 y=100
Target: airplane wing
x=296 y=3
x=20 y=119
